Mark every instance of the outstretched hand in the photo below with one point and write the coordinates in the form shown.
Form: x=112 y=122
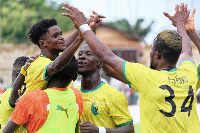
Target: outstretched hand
x=181 y=15
x=95 y=20
x=189 y=26
x=77 y=17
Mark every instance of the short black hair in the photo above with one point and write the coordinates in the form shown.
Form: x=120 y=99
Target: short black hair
x=39 y=29
x=169 y=44
x=68 y=73
x=19 y=62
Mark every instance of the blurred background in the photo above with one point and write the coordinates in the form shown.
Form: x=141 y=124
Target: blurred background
x=128 y=29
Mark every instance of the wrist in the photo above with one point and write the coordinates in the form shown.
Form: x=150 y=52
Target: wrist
x=23 y=71
x=102 y=129
x=84 y=27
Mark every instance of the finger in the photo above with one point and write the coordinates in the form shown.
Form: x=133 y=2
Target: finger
x=71 y=7
x=182 y=8
x=19 y=92
x=185 y=9
x=100 y=16
x=95 y=13
x=68 y=15
x=194 y=10
x=68 y=10
x=177 y=8
x=167 y=15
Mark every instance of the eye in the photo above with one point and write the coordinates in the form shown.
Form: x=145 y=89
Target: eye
x=89 y=53
x=80 y=53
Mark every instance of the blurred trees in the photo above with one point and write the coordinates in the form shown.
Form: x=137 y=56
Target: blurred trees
x=136 y=29
x=17 y=16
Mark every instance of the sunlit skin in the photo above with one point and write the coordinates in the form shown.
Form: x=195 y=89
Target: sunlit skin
x=54 y=39
x=87 y=61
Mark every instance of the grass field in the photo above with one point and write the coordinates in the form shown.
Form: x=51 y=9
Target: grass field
x=137 y=127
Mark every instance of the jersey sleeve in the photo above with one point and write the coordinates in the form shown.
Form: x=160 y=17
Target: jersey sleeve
x=22 y=111
x=135 y=74
x=119 y=110
x=39 y=68
x=79 y=100
x=198 y=75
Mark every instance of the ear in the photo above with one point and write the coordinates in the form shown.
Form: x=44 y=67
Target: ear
x=157 y=55
x=42 y=43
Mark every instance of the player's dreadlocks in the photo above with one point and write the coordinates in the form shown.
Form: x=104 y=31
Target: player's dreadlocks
x=39 y=29
x=169 y=44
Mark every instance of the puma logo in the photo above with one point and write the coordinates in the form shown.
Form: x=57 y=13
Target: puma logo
x=62 y=109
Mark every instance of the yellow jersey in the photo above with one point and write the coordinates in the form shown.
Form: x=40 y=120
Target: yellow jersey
x=105 y=106
x=6 y=109
x=167 y=98
x=35 y=78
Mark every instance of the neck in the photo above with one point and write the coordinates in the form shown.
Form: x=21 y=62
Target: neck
x=90 y=82
x=52 y=56
x=167 y=68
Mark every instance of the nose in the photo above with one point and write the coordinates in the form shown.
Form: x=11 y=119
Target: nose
x=81 y=56
x=61 y=37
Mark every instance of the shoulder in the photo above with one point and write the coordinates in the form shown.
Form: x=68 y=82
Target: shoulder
x=35 y=94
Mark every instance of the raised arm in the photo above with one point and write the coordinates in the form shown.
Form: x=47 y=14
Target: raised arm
x=179 y=20
x=19 y=81
x=71 y=38
x=190 y=28
x=112 y=73
x=101 y=50
x=64 y=58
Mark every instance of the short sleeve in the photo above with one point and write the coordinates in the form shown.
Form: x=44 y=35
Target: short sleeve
x=135 y=74
x=119 y=110
x=24 y=108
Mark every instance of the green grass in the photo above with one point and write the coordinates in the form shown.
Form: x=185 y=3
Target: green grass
x=137 y=127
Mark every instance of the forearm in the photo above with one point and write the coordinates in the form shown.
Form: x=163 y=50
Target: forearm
x=186 y=53
x=63 y=59
x=195 y=38
x=71 y=38
x=19 y=81
x=112 y=73
x=123 y=129
x=101 y=50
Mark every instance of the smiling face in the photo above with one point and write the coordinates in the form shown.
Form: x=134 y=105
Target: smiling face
x=54 y=40
x=87 y=61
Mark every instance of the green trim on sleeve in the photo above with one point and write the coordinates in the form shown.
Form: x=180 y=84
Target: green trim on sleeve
x=45 y=71
x=124 y=124
x=198 y=71
x=123 y=70
x=187 y=60
x=9 y=88
x=10 y=104
x=88 y=91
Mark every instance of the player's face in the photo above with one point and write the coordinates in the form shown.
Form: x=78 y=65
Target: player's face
x=152 y=64
x=54 y=40
x=87 y=61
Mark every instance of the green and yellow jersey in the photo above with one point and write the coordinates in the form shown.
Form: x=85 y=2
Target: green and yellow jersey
x=6 y=109
x=167 y=98
x=105 y=106
x=198 y=76
x=35 y=78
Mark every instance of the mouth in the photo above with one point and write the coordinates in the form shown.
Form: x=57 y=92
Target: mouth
x=62 y=43
x=80 y=64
